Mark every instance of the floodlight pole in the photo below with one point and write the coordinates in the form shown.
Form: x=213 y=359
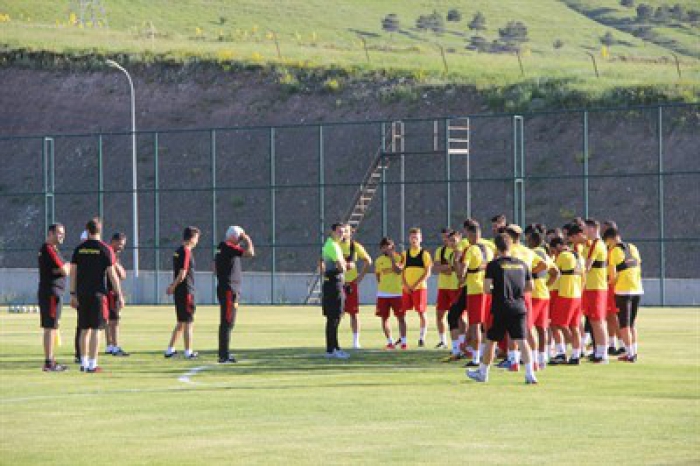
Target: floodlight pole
x=134 y=187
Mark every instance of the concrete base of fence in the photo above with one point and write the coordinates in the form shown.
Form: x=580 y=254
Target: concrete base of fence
x=18 y=286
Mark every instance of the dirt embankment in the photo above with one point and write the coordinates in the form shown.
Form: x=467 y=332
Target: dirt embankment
x=56 y=102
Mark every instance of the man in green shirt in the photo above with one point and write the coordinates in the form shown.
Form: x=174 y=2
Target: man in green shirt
x=333 y=297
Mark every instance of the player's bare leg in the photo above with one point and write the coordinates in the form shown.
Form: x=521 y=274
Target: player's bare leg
x=441 y=327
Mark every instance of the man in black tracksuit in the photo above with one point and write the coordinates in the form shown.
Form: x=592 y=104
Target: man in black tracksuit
x=227 y=264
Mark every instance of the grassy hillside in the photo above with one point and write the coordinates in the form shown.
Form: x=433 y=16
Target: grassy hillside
x=329 y=33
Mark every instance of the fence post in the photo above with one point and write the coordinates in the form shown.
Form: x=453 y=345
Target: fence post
x=518 y=170
x=214 y=227
x=156 y=222
x=662 y=232
x=49 y=183
x=585 y=165
x=273 y=218
x=321 y=187
x=403 y=180
x=448 y=173
x=100 y=179
x=382 y=135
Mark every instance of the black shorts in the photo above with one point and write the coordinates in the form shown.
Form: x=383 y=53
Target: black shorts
x=50 y=310
x=93 y=311
x=184 y=307
x=513 y=323
x=628 y=306
x=333 y=296
x=114 y=314
x=228 y=300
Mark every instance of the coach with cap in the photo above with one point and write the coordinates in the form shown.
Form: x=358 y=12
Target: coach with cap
x=227 y=265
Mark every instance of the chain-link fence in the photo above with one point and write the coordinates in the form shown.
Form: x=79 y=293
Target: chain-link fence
x=287 y=184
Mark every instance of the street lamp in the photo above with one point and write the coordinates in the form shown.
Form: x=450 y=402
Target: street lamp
x=134 y=194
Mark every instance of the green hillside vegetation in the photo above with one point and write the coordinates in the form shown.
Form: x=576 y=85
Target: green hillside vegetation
x=435 y=42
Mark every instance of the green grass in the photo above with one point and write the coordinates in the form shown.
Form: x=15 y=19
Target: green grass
x=324 y=34
x=284 y=403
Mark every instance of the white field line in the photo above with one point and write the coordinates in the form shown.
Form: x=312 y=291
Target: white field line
x=185 y=378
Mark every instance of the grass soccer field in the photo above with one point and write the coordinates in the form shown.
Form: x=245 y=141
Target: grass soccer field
x=285 y=403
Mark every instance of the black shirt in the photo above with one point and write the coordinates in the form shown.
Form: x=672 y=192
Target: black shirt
x=228 y=266
x=50 y=282
x=92 y=257
x=184 y=259
x=509 y=276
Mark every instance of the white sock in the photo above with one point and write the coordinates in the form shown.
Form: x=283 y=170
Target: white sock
x=92 y=363
x=482 y=348
x=543 y=358
x=170 y=350
x=403 y=340
x=443 y=338
x=576 y=353
x=455 y=347
x=613 y=341
x=529 y=370
x=561 y=348
x=510 y=356
x=188 y=352
x=110 y=348
x=516 y=357
x=356 y=339
x=484 y=369
x=423 y=333
x=477 y=356
x=84 y=361
x=462 y=339
x=634 y=348
x=389 y=340
x=587 y=339
x=601 y=351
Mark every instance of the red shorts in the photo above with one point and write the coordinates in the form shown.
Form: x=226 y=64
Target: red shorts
x=612 y=305
x=445 y=298
x=352 y=298
x=595 y=304
x=476 y=308
x=417 y=300
x=566 y=312
x=540 y=312
x=386 y=305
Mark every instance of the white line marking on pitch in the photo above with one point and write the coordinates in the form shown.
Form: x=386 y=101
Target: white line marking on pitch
x=185 y=378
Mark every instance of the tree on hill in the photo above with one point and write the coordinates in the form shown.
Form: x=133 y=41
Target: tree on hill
x=557 y=44
x=454 y=15
x=678 y=12
x=694 y=16
x=644 y=12
x=478 y=23
x=391 y=23
x=627 y=3
x=423 y=23
x=436 y=23
x=513 y=35
x=661 y=14
x=608 y=40
x=478 y=43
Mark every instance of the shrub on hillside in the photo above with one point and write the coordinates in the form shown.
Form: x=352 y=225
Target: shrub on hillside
x=627 y=3
x=454 y=15
x=557 y=44
x=644 y=12
x=513 y=35
x=391 y=23
x=608 y=40
x=478 y=23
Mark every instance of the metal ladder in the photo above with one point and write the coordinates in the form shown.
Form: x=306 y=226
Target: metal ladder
x=363 y=197
x=458 y=143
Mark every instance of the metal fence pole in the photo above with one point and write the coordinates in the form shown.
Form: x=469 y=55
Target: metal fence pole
x=518 y=170
x=49 y=183
x=585 y=165
x=214 y=227
x=403 y=184
x=321 y=187
x=448 y=172
x=100 y=179
x=382 y=135
x=662 y=232
x=273 y=218
x=156 y=222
